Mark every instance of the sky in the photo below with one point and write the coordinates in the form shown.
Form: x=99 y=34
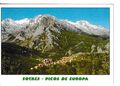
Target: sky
x=98 y=16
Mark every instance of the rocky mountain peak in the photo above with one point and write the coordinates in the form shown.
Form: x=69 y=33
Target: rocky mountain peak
x=45 y=20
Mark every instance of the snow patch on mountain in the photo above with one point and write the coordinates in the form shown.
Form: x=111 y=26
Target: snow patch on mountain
x=22 y=21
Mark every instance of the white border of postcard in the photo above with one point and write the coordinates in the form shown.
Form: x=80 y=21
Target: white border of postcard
x=93 y=80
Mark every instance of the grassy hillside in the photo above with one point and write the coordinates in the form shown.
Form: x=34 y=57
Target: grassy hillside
x=74 y=42
x=20 y=60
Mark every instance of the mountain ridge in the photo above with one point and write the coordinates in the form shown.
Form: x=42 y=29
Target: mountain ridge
x=44 y=32
x=82 y=25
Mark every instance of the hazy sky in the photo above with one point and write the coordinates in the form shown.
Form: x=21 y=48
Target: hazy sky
x=98 y=16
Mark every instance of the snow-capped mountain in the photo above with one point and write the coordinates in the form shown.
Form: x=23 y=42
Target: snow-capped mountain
x=90 y=29
x=9 y=25
x=43 y=31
